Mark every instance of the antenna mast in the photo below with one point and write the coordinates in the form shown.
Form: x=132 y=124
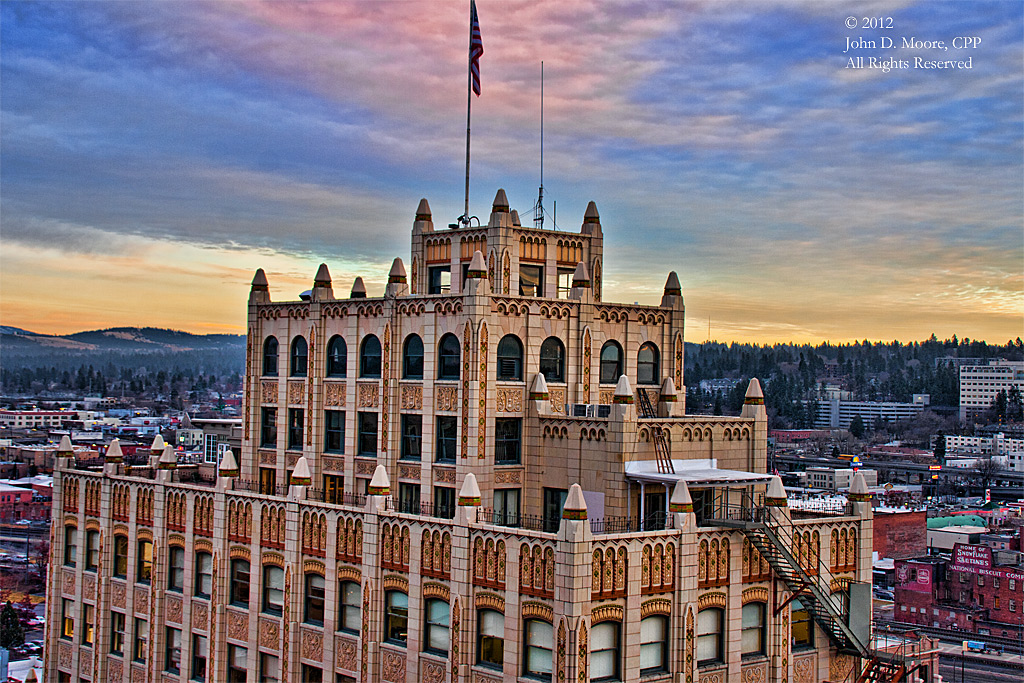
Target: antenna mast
x=538 y=211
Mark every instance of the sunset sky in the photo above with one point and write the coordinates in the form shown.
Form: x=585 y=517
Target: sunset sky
x=154 y=154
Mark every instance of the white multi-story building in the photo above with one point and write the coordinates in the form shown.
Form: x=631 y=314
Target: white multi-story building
x=979 y=384
x=836 y=413
x=1012 y=450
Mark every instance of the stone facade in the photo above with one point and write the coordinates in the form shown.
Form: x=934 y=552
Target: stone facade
x=360 y=562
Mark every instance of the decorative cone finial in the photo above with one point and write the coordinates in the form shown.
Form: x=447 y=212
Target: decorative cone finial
x=668 y=390
x=323 y=276
x=358 y=289
x=680 y=500
x=114 y=454
x=858 y=489
x=228 y=465
x=672 y=286
x=575 y=505
x=477 y=267
x=157 y=448
x=776 y=495
x=301 y=475
x=623 y=391
x=380 y=485
x=470 y=492
x=581 y=278
x=259 y=281
x=65 y=449
x=500 y=204
x=539 y=390
x=754 y=395
x=591 y=215
x=167 y=461
x=423 y=210
x=397 y=274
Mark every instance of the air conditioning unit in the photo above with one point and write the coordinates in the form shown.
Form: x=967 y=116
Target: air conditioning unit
x=589 y=410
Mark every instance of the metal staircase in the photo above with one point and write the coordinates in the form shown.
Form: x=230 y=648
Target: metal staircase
x=811 y=582
x=661 y=451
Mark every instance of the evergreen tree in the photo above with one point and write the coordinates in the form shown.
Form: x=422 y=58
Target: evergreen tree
x=11 y=632
x=857 y=427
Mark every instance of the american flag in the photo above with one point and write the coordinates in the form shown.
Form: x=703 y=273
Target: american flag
x=476 y=47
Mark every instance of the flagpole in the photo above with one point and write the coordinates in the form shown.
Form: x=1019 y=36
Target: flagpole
x=469 y=108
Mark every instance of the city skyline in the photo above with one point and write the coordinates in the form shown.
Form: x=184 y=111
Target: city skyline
x=156 y=154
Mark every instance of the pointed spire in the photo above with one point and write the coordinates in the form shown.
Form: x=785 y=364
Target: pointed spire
x=776 y=495
x=591 y=215
x=157 y=448
x=581 y=278
x=114 y=454
x=668 y=390
x=477 y=267
x=358 y=289
x=672 y=286
x=186 y=422
x=623 y=391
x=858 y=489
x=515 y=218
x=167 y=461
x=65 y=449
x=575 y=507
x=397 y=274
x=469 y=495
x=380 y=485
x=228 y=465
x=259 y=281
x=423 y=211
x=539 y=390
x=754 y=395
x=500 y=204
x=301 y=475
x=680 y=500
x=323 y=276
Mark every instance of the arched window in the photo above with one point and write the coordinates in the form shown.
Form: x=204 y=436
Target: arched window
x=299 y=357
x=753 y=628
x=552 y=359
x=369 y=357
x=611 y=362
x=412 y=357
x=510 y=358
x=647 y=369
x=337 y=357
x=709 y=636
x=270 y=357
x=448 y=357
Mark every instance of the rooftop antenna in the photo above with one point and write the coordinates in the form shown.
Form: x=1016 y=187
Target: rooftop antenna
x=539 y=209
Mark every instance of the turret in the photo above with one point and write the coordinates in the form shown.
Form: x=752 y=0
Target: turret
x=469 y=500
x=581 y=290
x=591 y=221
x=500 y=216
x=358 y=289
x=622 y=400
x=681 y=505
x=753 y=402
x=259 y=291
x=575 y=526
x=476 y=277
x=539 y=396
x=424 y=222
x=322 y=290
x=668 y=399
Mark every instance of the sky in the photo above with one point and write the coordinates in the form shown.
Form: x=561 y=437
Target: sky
x=154 y=154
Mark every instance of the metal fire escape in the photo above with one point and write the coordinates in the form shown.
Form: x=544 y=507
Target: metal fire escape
x=811 y=581
x=661 y=451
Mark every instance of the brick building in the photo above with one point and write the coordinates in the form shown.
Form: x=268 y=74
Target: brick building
x=900 y=533
x=486 y=474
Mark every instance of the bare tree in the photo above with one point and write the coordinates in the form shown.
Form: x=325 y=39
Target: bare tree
x=987 y=470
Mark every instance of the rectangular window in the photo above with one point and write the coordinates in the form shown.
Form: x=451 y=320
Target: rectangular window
x=240 y=583
x=295 y=419
x=654 y=645
x=144 y=562
x=268 y=481
x=709 y=635
x=350 y=599
x=334 y=488
x=440 y=280
x=412 y=436
x=141 y=640
x=200 y=652
x=92 y=550
x=507 y=436
x=531 y=280
x=565 y=282
x=88 y=623
x=490 y=646
x=117 y=622
x=447 y=435
x=1013 y=584
x=273 y=589
x=238 y=664
x=444 y=502
x=554 y=499
x=368 y=434
x=539 y=644
x=268 y=428
x=409 y=498
x=176 y=569
x=67 y=630
x=506 y=507
x=437 y=637
x=334 y=431
x=312 y=674
x=270 y=668
x=396 y=617
x=210 y=442
x=604 y=651
x=753 y=629
x=172 y=651
x=70 y=546
x=204 y=574
x=315 y=591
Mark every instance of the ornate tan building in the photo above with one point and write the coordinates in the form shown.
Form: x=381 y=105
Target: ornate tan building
x=486 y=474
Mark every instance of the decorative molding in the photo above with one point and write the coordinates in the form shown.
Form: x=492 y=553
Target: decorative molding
x=333 y=464
x=715 y=599
x=67 y=585
x=174 y=609
x=204 y=545
x=395 y=582
x=347 y=573
x=118 y=594
x=656 y=606
x=392 y=666
x=557 y=399
x=275 y=559
x=447 y=398
x=409 y=472
x=367 y=395
x=755 y=595
x=508 y=477
x=237 y=552
x=268 y=392
x=366 y=466
x=607 y=613
x=312 y=645
x=412 y=397
x=200 y=614
x=510 y=400
x=334 y=394
x=89 y=586
x=537 y=610
x=64 y=656
x=717 y=676
x=314 y=567
x=270 y=634
x=444 y=475
x=268 y=458
x=141 y=600
x=433 y=672
x=755 y=673
x=437 y=590
x=238 y=626
x=296 y=393
x=348 y=653
x=490 y=601
x=803 y=669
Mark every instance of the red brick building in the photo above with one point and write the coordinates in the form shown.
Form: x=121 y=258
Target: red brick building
x=900 y=533
x=970 y=591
